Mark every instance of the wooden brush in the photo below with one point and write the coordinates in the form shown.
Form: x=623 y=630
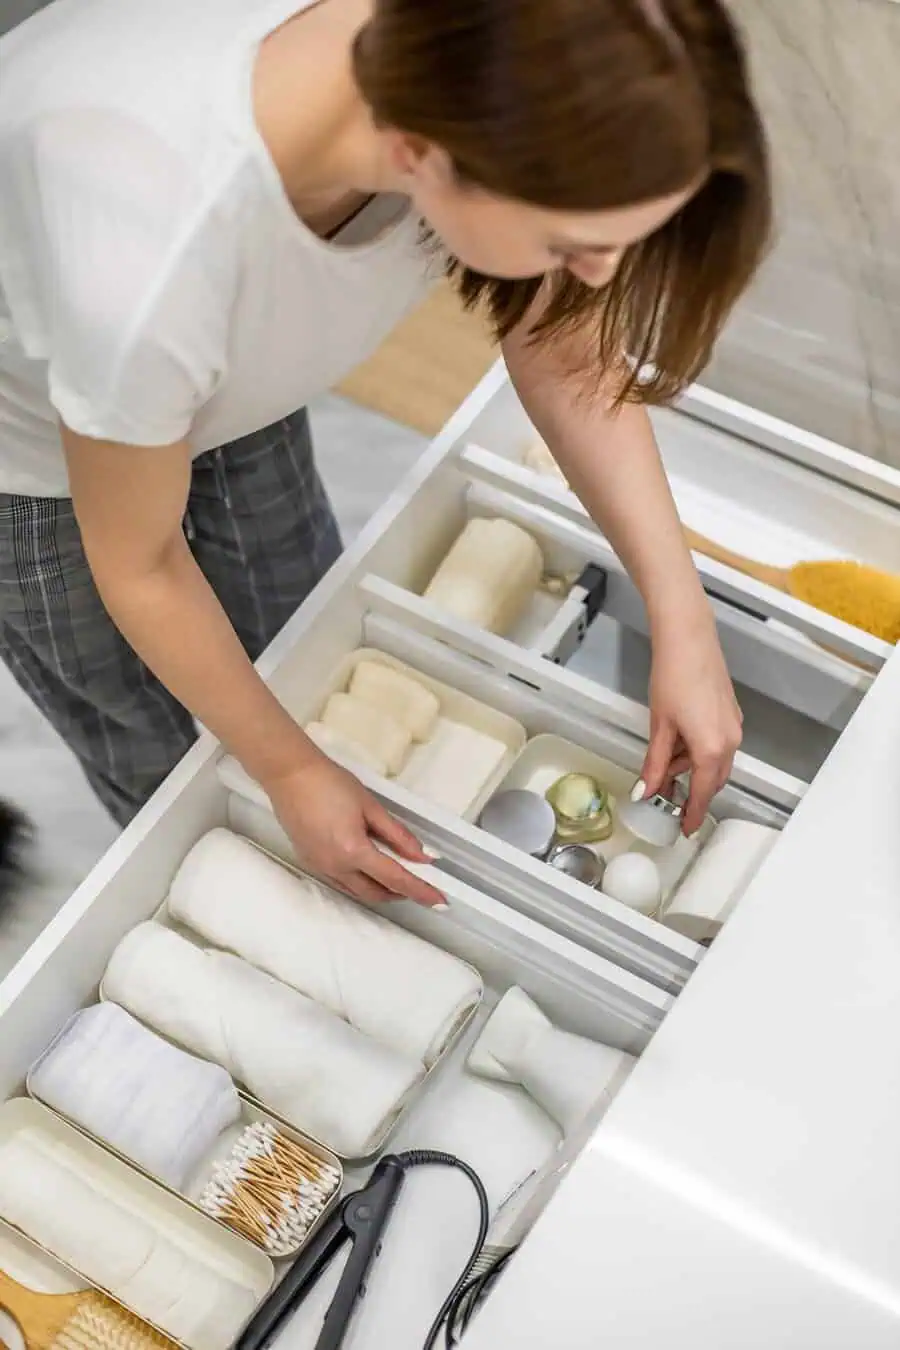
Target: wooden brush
x=851 y=591
x=86 y=1320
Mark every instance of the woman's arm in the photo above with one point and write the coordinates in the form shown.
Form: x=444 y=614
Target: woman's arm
x=611 y=461
x=130 y=503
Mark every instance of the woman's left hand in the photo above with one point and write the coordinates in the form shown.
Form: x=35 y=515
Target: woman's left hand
x=695 y=720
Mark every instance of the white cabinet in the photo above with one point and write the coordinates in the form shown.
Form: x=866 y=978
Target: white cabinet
x=728 y=1174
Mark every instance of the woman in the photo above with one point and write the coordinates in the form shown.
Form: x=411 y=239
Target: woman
x=209 y=212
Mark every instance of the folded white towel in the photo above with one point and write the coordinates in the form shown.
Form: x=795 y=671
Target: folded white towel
x=308 y=1065
x=385 y=981
x=152 y=1102
x=567 y=1075
x=49 y=1192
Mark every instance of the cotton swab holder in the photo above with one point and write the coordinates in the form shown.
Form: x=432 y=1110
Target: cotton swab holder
x=271 y=1189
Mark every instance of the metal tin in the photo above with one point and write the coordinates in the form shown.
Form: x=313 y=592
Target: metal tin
x=578 y=861
x=657 y=819
x=582 y=809
x=521 y=818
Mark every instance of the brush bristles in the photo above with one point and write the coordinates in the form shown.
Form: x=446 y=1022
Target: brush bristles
x=861 y=595
x=101 y=1324
x=270 y=1189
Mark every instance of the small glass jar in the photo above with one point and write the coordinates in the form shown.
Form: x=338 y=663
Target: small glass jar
x=583 y=809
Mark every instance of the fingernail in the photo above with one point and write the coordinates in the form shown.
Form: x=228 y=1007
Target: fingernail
x=441 y=908
x=431 y=855
x=639 y=791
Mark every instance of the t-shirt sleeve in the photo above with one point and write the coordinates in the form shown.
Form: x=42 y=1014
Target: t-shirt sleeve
x=131 y=278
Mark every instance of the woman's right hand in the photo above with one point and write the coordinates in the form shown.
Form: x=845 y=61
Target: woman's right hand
x=335 y=825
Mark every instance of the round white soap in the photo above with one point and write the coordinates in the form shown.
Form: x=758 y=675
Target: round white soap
x=634 y=880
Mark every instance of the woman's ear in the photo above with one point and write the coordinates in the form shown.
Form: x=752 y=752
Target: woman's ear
x=419 y=160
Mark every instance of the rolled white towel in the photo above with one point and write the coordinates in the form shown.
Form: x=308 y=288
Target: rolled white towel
x=49 y=1192
x=568 y=1075
x=308 y=1065
x=155 y=1104
x=386 y=982
x=489 y=575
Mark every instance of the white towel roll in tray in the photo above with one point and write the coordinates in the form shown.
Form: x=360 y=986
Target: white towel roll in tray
x=386 y=982
x=48 y=1193
x=321 y=1074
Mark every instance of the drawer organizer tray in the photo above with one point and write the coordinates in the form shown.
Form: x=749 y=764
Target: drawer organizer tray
x=251 y=1114
x=496 y=1128
x=217 y=1250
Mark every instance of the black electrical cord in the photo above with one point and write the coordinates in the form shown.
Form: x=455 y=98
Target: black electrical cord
x=470 y=1298
x=433 y=1158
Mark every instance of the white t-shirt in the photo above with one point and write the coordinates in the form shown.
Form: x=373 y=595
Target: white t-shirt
x=155 y=282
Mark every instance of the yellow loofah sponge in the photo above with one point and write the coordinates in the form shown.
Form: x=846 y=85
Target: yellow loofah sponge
x=853 y=592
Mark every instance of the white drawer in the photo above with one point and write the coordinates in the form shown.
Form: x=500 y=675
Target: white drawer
x=596 y=967
x=579 y=991
x=373 y=599
x=763 y=488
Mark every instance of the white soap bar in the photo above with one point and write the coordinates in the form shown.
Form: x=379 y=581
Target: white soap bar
x=454 y=766
x=372 y=729
x=489 y=575
x=538 y=457
x=347 y=752
x=397 y=694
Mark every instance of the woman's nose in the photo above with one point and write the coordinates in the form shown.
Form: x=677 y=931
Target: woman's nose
x=595 y=271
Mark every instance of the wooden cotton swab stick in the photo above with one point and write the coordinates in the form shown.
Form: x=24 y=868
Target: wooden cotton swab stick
x=270 y=1189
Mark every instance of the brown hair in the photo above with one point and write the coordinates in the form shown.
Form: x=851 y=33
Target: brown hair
x=585 y=105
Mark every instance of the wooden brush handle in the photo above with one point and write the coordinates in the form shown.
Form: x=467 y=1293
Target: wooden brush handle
x=15 y=1298
x=40 y=1316
x=748 y=567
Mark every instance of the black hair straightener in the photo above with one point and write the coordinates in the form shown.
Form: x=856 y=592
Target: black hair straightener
x=360 y=1220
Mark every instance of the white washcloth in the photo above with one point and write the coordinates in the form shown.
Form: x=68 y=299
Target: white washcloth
x=386 y=982
x=46 y=1191
x=152 y=1102
x=321 y=1074
x=567 y=1075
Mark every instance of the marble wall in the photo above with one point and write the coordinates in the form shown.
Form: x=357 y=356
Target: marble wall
x=818 y=339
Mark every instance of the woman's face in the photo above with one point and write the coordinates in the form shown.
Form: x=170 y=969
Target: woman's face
x=510 y=240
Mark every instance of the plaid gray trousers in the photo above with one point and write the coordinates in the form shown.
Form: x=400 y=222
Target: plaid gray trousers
x=261 y=527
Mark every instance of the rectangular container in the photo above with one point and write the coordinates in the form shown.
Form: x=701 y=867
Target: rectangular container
x=220 y=1249
x=456 y=707
x=251 y=1113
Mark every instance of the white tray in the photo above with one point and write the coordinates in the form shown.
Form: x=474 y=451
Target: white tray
x=456 y=707
x=251 y=1113
x=224 y=1252
x=546 y=758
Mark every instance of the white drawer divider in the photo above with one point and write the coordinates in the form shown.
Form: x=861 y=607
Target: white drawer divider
x=822 y=456
x=529 y=494
x=631 y=942
x=584 y=696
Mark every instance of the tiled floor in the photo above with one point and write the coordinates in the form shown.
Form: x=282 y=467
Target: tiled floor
x=362 y=457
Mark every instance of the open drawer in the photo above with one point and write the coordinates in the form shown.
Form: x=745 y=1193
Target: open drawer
x=716 y=1132
x=574 y=667
x=498 y=1129
x=761 y=487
